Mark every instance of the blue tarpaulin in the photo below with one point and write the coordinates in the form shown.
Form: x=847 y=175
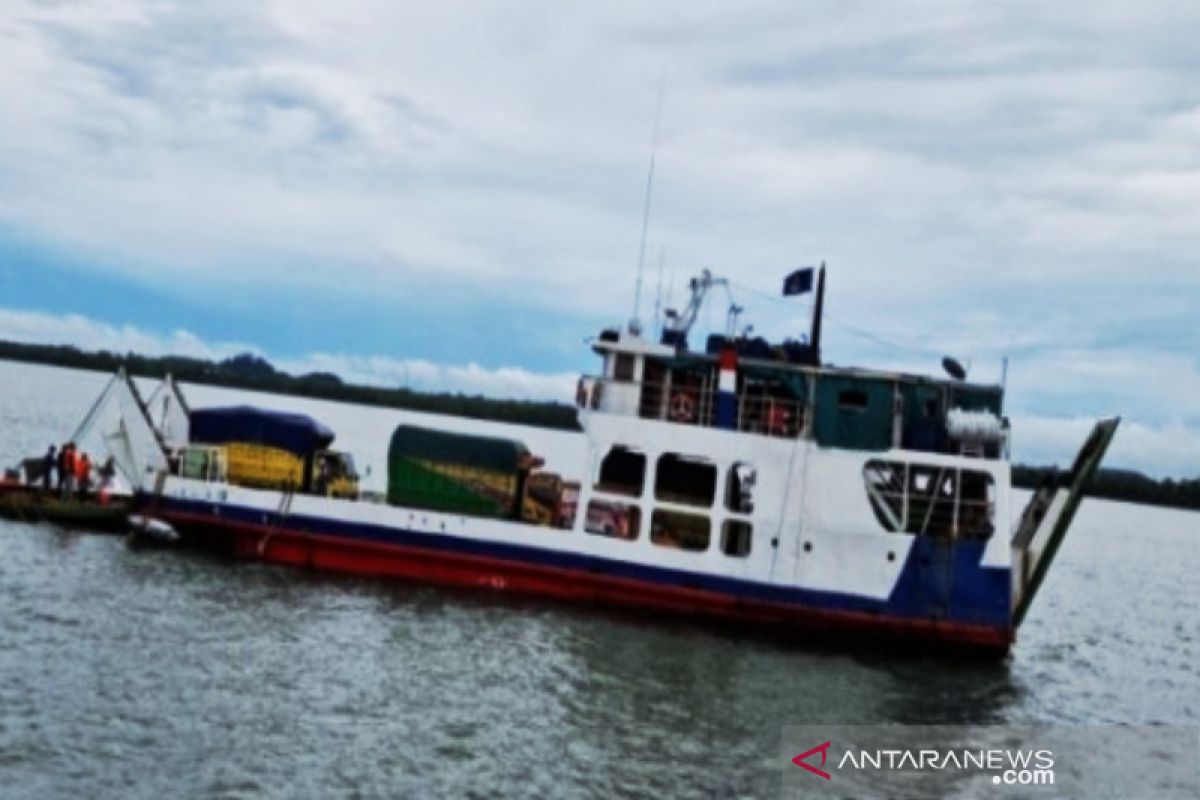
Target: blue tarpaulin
x=295 y=433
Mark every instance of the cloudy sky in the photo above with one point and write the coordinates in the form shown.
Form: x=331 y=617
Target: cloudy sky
x=450 y=196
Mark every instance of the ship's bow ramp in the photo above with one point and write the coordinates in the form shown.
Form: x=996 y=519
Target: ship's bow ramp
x=1044 y=523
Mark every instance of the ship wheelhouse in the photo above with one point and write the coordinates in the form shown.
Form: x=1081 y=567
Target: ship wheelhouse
x=835 y=407
x=930 y=455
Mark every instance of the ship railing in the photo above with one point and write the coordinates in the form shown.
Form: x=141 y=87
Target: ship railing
x=693 y=404
x=938 y=515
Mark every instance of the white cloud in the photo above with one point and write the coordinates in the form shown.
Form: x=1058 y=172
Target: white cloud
x=1150 y=385
x=426 y=376
x=75 y=329
x=1171 y=450
x=421 y=375
x=213 y=143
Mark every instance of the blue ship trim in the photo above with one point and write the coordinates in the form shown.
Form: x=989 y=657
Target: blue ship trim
x=940 y=580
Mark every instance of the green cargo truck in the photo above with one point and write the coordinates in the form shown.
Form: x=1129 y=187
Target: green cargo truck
x=479 y=476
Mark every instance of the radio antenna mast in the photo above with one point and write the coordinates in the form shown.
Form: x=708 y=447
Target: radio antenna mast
x=658 y=296
x=635 y=323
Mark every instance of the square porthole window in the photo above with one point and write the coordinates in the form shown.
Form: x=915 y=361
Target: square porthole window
x=623 y=471
x=736 y=536
x=685 y=480
x=680 y=531
x=739 y=488
x=618 y=520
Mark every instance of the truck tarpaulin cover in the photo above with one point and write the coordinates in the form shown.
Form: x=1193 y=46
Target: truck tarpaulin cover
x=295 y=433
x=481 y=452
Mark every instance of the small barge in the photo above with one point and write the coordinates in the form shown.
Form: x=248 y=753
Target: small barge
x=24 y=503
x=88 y=496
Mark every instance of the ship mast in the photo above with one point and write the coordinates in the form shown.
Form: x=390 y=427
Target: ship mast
x=815 y=339
x=635 y=322
x=679 y=323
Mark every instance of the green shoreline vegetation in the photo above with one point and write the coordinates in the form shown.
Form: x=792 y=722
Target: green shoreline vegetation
x=252 y=372
x=1124 y=485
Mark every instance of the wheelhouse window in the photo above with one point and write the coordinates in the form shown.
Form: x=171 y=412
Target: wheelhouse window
x=853 y=400
x=739 y=488
x=654 y=376
x=201 y=463
x=931 y=500
x=623 y=367
x=622 y=471
x=680 y=531
x=773 y=407
x=686 y=480
x=976 y=505
x=196 y=463
x=618 y=520
x=736 y=535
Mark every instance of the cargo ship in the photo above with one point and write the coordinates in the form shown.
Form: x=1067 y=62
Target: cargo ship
x=743 y=482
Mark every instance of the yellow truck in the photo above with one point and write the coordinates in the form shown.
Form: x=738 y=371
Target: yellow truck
x=261 y=449
x=260 y=467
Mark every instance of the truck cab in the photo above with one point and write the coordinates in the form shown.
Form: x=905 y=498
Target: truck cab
x=334 y=475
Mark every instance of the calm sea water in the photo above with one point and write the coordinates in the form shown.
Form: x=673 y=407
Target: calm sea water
x=170 y=674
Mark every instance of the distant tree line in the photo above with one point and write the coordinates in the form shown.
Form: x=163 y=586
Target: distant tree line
x=249 y=371
x=1127 y=485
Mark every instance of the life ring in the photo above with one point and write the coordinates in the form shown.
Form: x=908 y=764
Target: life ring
x=779 y=420
x=683 y=407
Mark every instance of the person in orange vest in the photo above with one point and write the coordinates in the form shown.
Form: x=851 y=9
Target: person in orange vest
x=83 y=474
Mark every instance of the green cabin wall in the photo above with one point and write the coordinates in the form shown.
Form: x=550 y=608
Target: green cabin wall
x=866 y=428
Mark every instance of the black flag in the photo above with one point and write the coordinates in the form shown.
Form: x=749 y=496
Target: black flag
x=798 y=282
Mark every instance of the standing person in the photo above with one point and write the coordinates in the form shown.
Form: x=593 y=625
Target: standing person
x=68 y=468
x=83 y=474
x=49 y=463
x=108 y=471
x=61 y=466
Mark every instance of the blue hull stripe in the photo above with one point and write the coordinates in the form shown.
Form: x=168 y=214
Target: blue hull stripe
x=940 y=580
